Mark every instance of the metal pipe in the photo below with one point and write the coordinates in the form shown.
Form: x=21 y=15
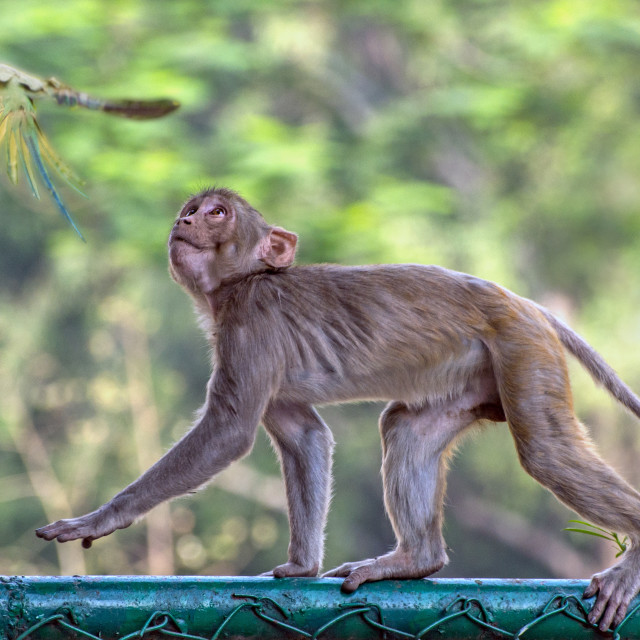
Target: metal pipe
x=212 y=608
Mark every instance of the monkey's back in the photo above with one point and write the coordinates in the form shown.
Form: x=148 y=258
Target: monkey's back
x=338 y=333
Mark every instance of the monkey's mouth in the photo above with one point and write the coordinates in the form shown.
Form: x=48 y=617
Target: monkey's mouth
x=177 y=238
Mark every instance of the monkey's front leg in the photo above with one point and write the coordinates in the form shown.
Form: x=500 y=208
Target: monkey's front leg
x=304 y=445
x=220 y=436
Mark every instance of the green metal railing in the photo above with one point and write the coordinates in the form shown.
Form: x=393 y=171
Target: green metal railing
x=199 y=608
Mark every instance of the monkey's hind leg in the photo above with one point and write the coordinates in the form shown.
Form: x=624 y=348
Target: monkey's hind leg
x=555 y=450
x=566 y=464
x=414 y=447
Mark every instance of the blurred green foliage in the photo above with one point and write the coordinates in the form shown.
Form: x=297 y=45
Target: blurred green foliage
x=492 y=137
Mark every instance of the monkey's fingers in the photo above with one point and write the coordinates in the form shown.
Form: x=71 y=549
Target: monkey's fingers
x=51 y=531
x=89 y=527
x=65 y=530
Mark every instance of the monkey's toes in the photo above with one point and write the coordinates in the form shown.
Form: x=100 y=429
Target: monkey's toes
x=397 y=565
x=614 y=590
x=355 y=574
x=293 y=570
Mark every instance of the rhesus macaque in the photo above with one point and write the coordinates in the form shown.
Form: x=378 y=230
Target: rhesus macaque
x=444 y=348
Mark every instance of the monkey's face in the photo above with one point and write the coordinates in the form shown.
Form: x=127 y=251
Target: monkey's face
x=202 y=236
x=216 y=236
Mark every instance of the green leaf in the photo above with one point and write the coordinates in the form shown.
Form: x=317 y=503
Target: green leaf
x=593 y=526
x=589 y=533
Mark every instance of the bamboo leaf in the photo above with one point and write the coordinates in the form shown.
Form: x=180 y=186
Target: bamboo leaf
x=12 y=154
x=4 y=121
x=24 y=151
x=45 y=177
x=54 y=160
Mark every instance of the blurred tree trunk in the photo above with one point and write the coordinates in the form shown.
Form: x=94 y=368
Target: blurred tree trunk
x=146 y=429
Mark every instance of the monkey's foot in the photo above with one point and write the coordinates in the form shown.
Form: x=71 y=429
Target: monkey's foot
x=396 y=565
x=615 y=587
x=94 y=525
x=293 y=570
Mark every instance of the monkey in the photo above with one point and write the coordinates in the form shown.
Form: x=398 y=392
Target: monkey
x=443 y=348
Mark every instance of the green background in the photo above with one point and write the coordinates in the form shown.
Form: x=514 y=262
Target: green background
x=498 y=138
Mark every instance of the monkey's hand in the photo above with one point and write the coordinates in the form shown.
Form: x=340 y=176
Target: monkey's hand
x=396 y=565
x=96 y=524
x=615 y=587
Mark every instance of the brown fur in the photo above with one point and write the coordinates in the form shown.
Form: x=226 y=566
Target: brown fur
x=444 y=348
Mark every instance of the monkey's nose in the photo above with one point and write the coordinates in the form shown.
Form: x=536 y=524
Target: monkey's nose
x=183 y=220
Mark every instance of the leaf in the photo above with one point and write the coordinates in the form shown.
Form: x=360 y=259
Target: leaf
x=607 y=535
x=25 y=157
x=33 y=145
x=589 y=533
x=54 y=160
x=12 y=154
x=593 y=526
x=4 y=121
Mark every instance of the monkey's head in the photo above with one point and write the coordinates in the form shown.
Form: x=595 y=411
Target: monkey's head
x=219 y=236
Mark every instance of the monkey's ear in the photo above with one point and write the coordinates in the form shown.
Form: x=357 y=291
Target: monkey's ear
x=278 y=248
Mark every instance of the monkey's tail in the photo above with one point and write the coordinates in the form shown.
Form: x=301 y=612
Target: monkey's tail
x=594 y=363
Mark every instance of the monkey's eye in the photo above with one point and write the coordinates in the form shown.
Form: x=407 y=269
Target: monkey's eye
x=218 y=212
x=190 y=211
